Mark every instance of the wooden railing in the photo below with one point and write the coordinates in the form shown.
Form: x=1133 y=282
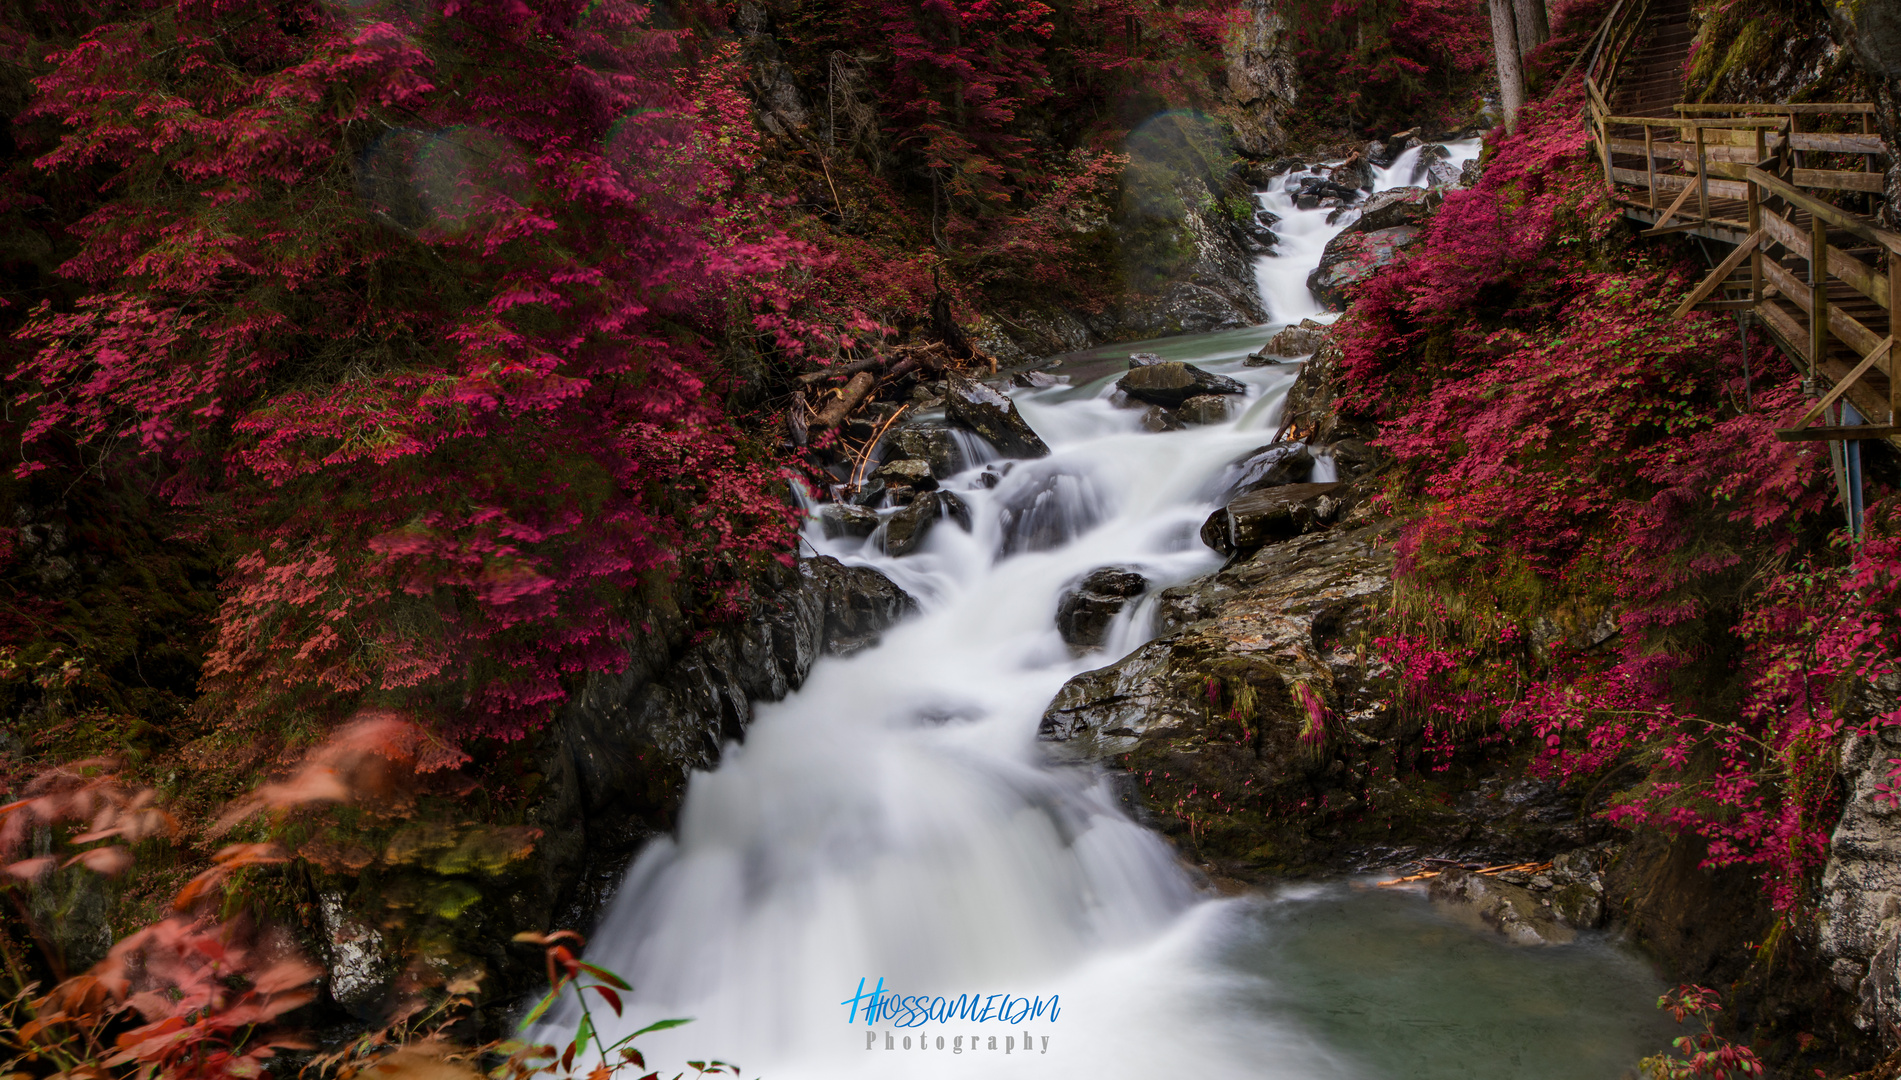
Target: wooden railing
x=1750 y=176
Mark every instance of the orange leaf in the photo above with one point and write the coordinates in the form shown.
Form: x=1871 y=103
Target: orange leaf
x=32 y=869
x=111 y=860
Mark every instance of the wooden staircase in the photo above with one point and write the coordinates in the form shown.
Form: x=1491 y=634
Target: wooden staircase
x=1773 y=182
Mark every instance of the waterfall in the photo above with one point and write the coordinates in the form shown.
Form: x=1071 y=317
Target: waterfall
x=895 y=824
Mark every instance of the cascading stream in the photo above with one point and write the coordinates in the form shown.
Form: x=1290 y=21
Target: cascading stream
x=895 y=818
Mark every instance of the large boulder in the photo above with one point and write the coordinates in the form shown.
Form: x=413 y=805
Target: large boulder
x=1395 y=207
x=1353 y=257
x=1444 y=174
x=990 y=414
x=1211 y=717
x=844 y=519
x=1204 y=409
x=1170 y=383
x=1085 y=610
x=1276 y=465
x=1261 y=517
x=911 y=472
x=1301 y=339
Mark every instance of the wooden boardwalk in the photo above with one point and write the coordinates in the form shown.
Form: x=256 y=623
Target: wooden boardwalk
x=1774 y=184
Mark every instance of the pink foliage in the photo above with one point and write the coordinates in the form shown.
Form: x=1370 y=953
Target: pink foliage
x=437 y=382
x=1565 y=437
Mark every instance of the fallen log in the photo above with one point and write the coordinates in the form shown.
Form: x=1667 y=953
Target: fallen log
x=848 y=399
x=842 y=370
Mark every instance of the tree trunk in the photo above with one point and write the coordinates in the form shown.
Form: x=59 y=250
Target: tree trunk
x=1533 y=21
x=1511 y=72
x=1534 y=25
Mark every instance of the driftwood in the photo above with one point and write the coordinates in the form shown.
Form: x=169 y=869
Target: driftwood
x=795 y=425
x=848 y=399
x=842 y=370
x=1426 y=875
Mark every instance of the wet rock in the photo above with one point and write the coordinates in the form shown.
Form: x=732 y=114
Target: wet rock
x=1443 y=174
x=1302 y=339
x=1429 y=155
x=1577 y=887
x=1171 y=383
x=954 y=508
x=906 y=530
x=1144 y=359
x=1085 y=611
x=1351 y=258
x=845 y=520
x=1034 y=380
x=1263 y=516
x=1210 y=708
x=1469 y=173
x=1351 y=457
x=909 y=471
x=930 y=443
x=870 y=493
x=1204 y=409
x=1519 y=915
x=1395 y=207
x=1158 y=420
x=1354 y=175
x=993 y=416
x=1270 y=466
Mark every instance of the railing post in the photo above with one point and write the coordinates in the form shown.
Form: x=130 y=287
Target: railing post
x=1702 y=177
x=1755 y=226
x=1604 y=144
x=1650 y=167
x=1818 y=292
x=1894 y=335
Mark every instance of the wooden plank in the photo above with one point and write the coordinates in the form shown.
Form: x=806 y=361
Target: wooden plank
x=1596 y=97
x=1671 y=212
x=1870 y=283
x=1860 y=394
x=1839 y=144
x=1676 y=151
x=1840 y=323
x=1786 y=282
x=1842 y=386
x=1835 y=216
x=1778 y=320
x=1850 y=329
x=1838 y=180
x=1739 y=123
x=1719 y=275
x=1722 y=189
x=1727 y=305
x=1806 y=109
x=1785 y=233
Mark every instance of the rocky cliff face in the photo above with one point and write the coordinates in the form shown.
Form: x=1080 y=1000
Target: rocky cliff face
x=1209 y=286
x=1861 y=885
x=1871 y=29
x=1263 y=79
x=611 y=771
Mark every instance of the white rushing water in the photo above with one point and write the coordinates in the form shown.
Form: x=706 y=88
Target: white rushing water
x=896 y=820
